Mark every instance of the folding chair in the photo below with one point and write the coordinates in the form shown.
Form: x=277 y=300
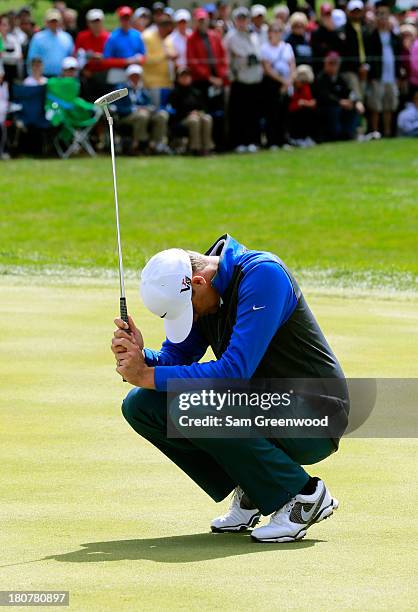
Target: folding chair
x=30 y=116
x=74 y=117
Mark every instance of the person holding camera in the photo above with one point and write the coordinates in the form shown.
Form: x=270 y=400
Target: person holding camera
x=246 y=74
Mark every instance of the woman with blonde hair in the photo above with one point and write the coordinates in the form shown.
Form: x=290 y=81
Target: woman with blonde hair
x=302 y=108
x=299 y=38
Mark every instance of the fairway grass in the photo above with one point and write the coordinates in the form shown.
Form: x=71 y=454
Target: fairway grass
x=343 y=213
x=89 y=507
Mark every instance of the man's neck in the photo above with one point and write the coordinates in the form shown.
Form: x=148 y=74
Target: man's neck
x=211 y=268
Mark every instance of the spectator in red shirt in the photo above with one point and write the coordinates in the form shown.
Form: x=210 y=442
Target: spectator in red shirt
x=206 y=59
x=89 y=45
x=92 y=40
x=302 y=108
x=206 y=55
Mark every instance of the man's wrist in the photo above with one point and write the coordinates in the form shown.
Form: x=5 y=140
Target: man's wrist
x=146 y=378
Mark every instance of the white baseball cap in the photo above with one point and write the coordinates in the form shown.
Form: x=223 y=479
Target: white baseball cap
x=182 y=15
x=258 y=10
x=339 y=18
x=134 y=69
x=95 y=15
x=355 y=5
x=166 y=290
x=69 y=62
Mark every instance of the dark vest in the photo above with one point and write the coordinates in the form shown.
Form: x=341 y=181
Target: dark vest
x=298 y=350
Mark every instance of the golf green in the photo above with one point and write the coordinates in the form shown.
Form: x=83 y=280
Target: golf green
x=89 y=507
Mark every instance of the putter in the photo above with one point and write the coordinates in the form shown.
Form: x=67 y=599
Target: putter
x=104 y=101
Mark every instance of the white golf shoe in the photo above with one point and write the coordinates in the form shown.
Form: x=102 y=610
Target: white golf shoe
x=237 y=518
x=291 y=522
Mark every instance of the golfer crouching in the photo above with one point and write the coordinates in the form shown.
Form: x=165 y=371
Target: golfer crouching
x=248 y=308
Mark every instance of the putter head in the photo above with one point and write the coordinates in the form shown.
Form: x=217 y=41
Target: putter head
x=111 y=97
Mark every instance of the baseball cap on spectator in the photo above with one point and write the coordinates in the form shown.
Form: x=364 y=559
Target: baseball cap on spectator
x=183 y=70
x=158 y=6
x=69 y=63
x=52 y=15
x=304 y=73
x=124 y=11
x=258 y=10
x=210 y=8
x=200 y=13
x=95 y=15
x=24 y=10
x=134 y=69
x=182 y=15
x=408 y=29
x=326 y=9
x=339 y=18
x=355 y=5
x=281 y=10
x=165 y=288
x=333 y=56
x=240 y=12
x=142 y=12
x=168 y=11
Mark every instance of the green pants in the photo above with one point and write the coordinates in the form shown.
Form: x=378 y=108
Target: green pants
x=269 y=471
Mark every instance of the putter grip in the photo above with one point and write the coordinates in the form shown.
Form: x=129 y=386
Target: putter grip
x=123 y=310
x=124 y=314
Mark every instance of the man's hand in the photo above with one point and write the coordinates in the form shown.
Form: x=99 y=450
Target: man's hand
x=215 y=81
x=127 y=348
x=346 y=104
x=131 y=364
x=133 y=334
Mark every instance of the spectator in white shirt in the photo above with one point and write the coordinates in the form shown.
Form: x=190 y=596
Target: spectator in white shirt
x=279 y=66
x=4 y=105
x=178 y=37
x=12 y=56
x=258 y=23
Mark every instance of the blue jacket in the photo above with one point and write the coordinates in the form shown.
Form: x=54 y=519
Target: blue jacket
x=135 y=98
x=124 y=44
x=266 y=299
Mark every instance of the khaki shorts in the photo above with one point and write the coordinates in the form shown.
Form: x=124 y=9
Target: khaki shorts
x=355 y=84
x=383 y=97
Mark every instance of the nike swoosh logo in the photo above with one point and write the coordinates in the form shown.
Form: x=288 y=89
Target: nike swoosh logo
x=258 y=307
x=307 y=516
x=162 y=316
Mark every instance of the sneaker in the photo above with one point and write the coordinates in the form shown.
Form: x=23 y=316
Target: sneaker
x=291 y=522
x=274 y=148
x=252 y=148
x=162 y=149
x=287 y=147
x=238 y=518
x=241 y=149
x=309 y=142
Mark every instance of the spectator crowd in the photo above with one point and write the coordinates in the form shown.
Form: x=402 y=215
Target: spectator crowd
x=218 y=78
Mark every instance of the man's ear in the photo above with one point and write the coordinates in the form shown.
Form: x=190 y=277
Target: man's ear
x=198 y=280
